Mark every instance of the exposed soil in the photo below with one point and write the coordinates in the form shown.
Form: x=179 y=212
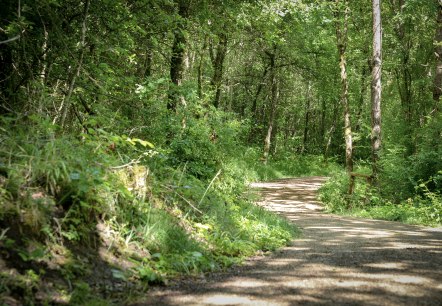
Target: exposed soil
x=337 y=261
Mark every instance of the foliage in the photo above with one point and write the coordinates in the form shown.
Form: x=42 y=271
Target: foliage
x=137 y=126
x=423 y=208
x=304 y=165
x=168 y=217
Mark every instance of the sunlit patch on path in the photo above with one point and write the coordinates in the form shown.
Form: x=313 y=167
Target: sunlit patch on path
x=337 y=261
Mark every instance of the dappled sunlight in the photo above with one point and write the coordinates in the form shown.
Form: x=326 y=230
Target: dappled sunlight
x=387 y=265
x=245 y=282
x=337 y=260
x=410 y=279
x=224 y=299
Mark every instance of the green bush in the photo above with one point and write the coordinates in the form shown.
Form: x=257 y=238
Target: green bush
x=424 y=207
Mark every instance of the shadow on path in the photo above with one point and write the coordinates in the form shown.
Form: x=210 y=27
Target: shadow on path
x=337 y=261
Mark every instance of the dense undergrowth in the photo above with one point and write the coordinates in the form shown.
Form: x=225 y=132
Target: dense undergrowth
x=95 y=218
x=404 y=192
x=424 y=208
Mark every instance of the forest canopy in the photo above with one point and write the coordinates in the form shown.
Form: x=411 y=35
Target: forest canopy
x=149 y=118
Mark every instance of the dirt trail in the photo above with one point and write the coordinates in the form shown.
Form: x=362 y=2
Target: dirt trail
x=337 y=261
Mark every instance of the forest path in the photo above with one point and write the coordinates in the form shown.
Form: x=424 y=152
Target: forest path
x=337 y=261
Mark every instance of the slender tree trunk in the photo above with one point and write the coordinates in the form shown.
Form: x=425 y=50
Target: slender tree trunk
x=331 y=132
x=403 y=73
x=178 y=57
x=147 y=67
x=254 y=109
x=67 y=99
x=273 y=105
x=437 y=83
x=200 y=69
x=376 y=89
x=306 y=119
x=341 y=36
x=323 y=118
x=218 y=64
x=274 y=139
x=258 y=91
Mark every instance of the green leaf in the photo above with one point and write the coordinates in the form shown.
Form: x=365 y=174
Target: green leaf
x=197 y=254
x=145 y=143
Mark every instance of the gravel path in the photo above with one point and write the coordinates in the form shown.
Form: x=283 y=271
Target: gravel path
x=337 y=261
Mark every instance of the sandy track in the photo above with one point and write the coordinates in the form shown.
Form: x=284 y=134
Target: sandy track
x=337 y=261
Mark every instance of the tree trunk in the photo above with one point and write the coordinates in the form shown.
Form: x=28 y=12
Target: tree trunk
x=331 y=132
x=323 y=118
x=147 y=67
x=376 y=89
x=403 y=73
x=273 y=104
x=218 y=64
x=200 y=69
x=178 y=57
x=341 y=36
x=254 y=109
x=306 y=119
x=437 y=84
x=71 y=86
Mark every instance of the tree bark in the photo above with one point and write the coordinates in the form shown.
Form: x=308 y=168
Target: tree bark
x=200 y=69
x=331 y=132
x=273 y=105
x=254 y=109
x=218 y=64
x=376 y=89
x=147 y=67
x=437 y=83
x=178 y=56
x=306 y=119
x=323 y=119
x=67 y=99
x=341 y=36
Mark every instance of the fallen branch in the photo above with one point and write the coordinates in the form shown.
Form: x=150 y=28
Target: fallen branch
x=205 y=192
x=183 y=198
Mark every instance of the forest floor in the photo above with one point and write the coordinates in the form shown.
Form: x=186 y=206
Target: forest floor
x=337 y=261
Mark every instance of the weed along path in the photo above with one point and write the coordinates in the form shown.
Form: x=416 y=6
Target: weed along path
x=337 y=261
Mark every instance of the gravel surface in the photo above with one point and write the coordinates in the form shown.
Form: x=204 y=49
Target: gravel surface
x=337 y=261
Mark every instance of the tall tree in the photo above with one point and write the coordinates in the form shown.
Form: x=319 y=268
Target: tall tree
x=437 y=84
x=218 y=66
x=273 y=103
x=178 y=55
x=66 y=105
x=376 y=88
x=403 y=71
x=306 y=117
x=341 y=16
